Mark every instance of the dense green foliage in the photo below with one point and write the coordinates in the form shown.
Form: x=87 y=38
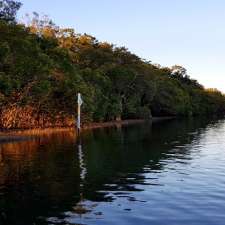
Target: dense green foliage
x=43 y=66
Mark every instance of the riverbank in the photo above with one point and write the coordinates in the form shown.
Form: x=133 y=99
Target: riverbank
x=20 y=135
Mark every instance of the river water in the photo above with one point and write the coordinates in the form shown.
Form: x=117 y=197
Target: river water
x=167 y=173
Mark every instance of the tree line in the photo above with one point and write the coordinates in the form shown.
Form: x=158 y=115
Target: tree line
x=43 y=67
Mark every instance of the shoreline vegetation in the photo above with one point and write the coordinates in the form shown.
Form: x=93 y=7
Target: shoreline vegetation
x=25 y=134
x=43 y=67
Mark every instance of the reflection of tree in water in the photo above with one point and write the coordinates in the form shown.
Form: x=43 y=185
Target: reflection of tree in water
x=39 y=178
x=46 y=178
x=1 y=159
x=83 y=206
x=116 y=166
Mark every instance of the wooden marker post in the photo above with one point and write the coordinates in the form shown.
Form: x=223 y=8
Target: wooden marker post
x=79 y=103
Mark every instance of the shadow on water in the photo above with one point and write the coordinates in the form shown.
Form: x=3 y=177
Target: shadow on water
x=45 y=180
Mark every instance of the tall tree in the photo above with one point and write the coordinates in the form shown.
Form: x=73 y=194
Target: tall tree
x=8 y=10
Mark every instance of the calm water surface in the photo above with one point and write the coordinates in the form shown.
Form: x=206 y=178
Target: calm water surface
x=169 y=173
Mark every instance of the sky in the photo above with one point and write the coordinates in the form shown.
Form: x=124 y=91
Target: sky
x=190 y=33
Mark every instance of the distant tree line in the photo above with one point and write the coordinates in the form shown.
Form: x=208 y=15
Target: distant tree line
x=43 y=67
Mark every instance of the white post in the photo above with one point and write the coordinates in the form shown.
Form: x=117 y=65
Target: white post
x=79 y=103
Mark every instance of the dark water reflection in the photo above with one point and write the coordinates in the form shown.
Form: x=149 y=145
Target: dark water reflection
x=166 y=173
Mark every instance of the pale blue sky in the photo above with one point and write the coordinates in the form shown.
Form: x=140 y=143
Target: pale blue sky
x=190 y=33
